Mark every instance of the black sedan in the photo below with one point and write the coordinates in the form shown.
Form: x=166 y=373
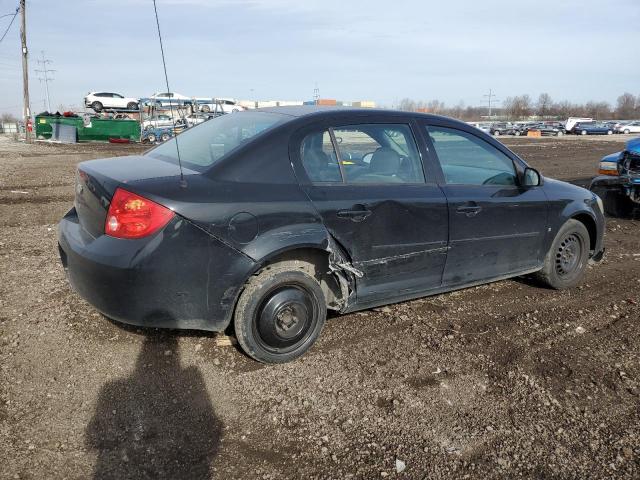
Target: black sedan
x=266 y=219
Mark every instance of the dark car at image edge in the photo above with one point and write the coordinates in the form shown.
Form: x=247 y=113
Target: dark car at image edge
x=284 y=213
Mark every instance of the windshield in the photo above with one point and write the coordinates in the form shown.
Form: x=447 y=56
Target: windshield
x=206 y=144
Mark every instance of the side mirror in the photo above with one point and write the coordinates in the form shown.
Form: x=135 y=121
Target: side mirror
x=531 y=177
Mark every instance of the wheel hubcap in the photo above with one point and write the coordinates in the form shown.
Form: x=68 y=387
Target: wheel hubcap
x=568 y=255
x=286 y=317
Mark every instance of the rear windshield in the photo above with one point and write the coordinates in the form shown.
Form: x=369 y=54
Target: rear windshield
x=205 y=144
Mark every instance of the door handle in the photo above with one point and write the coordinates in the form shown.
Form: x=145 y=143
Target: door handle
x=469 y=209
x=357 y=213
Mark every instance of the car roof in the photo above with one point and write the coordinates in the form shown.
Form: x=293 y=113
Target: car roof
x=319 y=111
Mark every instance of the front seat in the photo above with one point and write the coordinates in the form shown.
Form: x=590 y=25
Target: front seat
x=383 y=167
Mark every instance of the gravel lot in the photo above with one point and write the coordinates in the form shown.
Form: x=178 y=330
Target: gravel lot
x=500 y=381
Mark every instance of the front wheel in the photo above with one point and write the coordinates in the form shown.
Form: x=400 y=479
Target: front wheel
x=132 y=106
x=152 y=138
x=281 y=312
x=583 y=132
x=609 y=132
x=627 y=131
x=567 y=259
x=496 y=133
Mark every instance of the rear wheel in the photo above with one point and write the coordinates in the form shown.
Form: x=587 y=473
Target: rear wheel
x=567 y=259
x=559 y=134
x=627 y=131
x=132 y=106
x=496 y=133
x=583 y=132
x=97 y=106
x=518 y=133
x=281 y=312
x=609 y=132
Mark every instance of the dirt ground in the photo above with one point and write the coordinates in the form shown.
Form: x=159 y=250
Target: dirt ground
x=506 y=380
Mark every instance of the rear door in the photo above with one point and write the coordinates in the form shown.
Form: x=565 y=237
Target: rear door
x=497 y=227
x=368 y=183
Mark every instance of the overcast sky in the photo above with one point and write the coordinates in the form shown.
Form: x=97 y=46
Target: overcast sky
x=354 y=50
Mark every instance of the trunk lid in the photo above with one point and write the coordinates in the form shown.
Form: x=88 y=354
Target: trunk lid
x=97 y=180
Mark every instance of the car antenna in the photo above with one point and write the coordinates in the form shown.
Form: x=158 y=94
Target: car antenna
x=183 y=182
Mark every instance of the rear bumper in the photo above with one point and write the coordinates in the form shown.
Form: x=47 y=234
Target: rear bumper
x=180 y=277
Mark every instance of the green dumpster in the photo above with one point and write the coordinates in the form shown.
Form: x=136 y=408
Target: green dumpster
x=98 y=129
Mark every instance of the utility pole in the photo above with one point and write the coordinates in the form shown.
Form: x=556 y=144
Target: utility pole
x=491 y=99
x=45 y=72
x=25 y=71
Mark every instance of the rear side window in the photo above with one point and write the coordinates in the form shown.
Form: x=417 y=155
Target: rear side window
x=370 y=153
x=207 y=143
x=468 y=160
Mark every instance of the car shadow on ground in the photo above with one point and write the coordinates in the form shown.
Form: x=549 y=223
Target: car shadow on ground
x=158 y=422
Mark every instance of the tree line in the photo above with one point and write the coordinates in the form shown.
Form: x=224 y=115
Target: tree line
x=523 y=107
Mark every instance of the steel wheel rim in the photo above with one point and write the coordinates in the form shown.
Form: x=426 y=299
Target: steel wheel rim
x=569 y=255
x=286 y=318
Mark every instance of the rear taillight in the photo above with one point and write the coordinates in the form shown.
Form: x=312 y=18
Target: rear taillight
x=133 y=216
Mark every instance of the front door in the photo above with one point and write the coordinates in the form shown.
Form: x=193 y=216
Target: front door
x=497 y=227
x=368 y=184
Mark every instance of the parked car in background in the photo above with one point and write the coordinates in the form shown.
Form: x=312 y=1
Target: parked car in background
x=485 y=127
x=592 y=128
x=98 y=101
x=161 y=121
x=169 y=98
x=548 y=130
x=501 y=128
x=618 y=180
x=571 y=122
x=196 y=119
x=270 y=218
x=225 y=105
x=632 y=127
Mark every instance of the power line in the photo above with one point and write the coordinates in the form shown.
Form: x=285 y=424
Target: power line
x=490 y=98
x=45 y=77
x=10 y=23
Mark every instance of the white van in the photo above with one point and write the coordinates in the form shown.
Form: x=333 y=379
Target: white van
x=571 y=122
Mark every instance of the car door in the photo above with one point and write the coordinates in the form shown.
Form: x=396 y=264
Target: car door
x=368 y=184
x=497 y=227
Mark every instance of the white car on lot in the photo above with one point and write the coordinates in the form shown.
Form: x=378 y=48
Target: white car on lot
x=196 y=119
x=160 y=121
x=224 y=105
x=169 y=98
x=633 y=127
x=101 y=100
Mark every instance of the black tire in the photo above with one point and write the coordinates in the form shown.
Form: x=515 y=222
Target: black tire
x=97 y=106
x=281 y=312
x=132 y=106
x=568 y=257
x=617 y=205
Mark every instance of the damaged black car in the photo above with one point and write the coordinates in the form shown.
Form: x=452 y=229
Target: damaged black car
x=264 y=220
x=618 y=180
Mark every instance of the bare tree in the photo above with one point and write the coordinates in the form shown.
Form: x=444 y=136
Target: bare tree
x=598 y=110
x=626 y=106
x=8 y=118
x=544 y=104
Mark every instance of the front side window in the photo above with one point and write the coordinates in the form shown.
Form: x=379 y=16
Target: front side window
x=379 y=153
x=469 y=160
x=207 y=143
